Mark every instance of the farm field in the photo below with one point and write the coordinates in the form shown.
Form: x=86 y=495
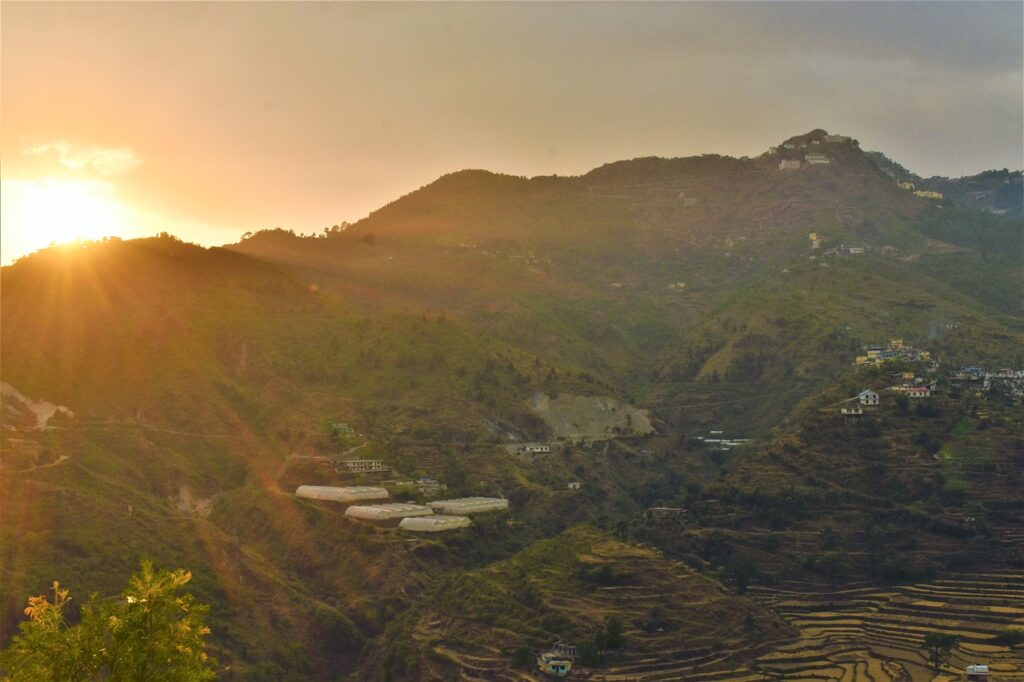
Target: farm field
x=871 y=633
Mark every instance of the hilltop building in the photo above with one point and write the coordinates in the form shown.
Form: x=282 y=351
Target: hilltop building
x=789 y=164
x=909 y=186
x=816 y=158
x=345 y=495
x=842 y=139
x=925 y=194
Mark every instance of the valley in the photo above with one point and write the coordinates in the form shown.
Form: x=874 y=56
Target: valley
x=735 y=472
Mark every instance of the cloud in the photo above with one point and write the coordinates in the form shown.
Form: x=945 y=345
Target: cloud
x=102 y=160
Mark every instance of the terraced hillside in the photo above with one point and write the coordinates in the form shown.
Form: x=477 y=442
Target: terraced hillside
x=867 y=633
x=489 y=623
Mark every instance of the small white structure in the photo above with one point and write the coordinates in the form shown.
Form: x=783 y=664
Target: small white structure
x=789 y=164
x=855 y=250
x=434 y=524
x=386 y=512
x=345 y=495
x=362 y=465
x=815 y=158
x=867 y=397
x=977 y=672
x=535 y=448
x=574 y=485
x=469 y=505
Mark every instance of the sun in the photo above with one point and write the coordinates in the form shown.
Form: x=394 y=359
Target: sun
x=37 y=213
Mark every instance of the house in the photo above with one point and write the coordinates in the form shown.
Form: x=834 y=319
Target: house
x=854 y=250
x=977 y=672
x=552 y=663
x=816 y=158
x=909 y=186
x=341 y=427
x=535 y=448
x=364 y=465
x=429 y=487
x=662 y=513
x=867 y=397
x=925 y=194
x=789 y=164
x=565 y=650
x=574 y=485
x=842 y=139
x=917 y=392
x=855 y=411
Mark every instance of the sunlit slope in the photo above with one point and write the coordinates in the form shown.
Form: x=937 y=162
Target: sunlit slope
x=197 y=377
x=686 y=271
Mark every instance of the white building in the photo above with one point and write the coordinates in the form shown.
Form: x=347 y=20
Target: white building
x=386 y=512
x=434 y=524
x=345 y=495
x=977 y=672
x=469 y=505
x=789 y=164
x=574 y=485
x=364 y=465
x=867 y=397
x=535 y=448
x=816 y=158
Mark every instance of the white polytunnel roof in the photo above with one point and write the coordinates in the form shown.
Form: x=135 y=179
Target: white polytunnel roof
x=384 y=512
x=434 y=524
x=469 y=505
x=356 y=493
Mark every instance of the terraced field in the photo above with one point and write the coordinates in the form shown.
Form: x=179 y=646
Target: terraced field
x=706 y=633
x=867 y=633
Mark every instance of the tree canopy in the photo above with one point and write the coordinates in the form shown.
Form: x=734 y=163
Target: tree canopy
x=151 y=631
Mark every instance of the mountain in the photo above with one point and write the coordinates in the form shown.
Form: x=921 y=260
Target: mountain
x=164 y=399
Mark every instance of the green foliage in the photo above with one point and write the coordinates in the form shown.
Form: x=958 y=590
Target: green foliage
x=938 y=645
x=151 y=632
x=1009 y=638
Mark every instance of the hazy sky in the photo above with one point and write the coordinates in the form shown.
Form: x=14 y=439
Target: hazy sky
x=209 y=120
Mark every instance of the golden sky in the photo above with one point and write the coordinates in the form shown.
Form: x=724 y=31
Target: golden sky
x=208 y=120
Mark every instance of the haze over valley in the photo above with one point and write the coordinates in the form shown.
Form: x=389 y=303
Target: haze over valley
x=746 y=414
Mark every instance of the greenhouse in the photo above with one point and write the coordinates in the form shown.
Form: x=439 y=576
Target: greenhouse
x=386 y=512
x=469 y=505
x=346 y=495
x=434 y=524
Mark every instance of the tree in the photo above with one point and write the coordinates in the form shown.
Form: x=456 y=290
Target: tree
x=613 y=634
x=152 y=631
x=938 y=646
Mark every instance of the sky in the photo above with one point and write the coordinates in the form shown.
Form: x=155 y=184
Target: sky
x=208 y=120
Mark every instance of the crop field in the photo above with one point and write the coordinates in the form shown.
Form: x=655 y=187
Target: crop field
x=868 y=633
